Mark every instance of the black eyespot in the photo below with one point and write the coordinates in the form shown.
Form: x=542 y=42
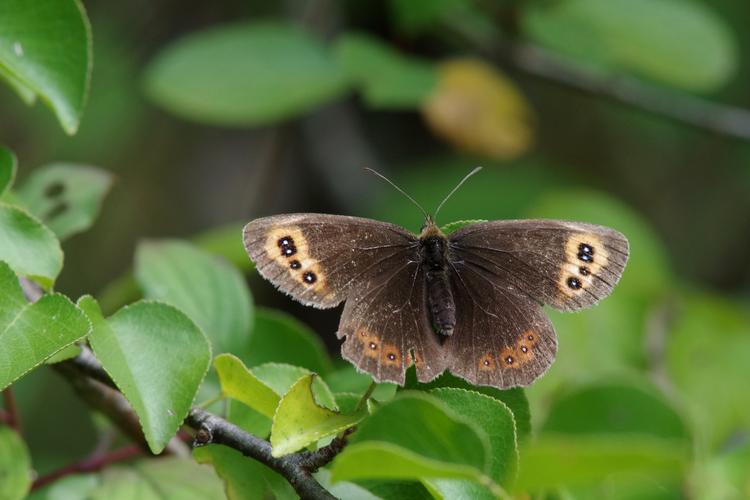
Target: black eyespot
x=309 y=277
x=586 y=248
x=288 y=251
x=585 y=271
x=509 y=360
x=373 y=345
x=530 y=337
x=295 y=264
x=574 y=283
x=486 y=362
x=586 y=257
x=286 y=241
x=524 y=348
x=392 y=357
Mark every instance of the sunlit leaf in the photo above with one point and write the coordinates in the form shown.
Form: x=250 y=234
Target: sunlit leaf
x=244 y=74
x=45 y=47
x=157 y=357
x=239 y=383
x=281 y=377
x=386 y=78
x=213 y=293
x=479 y=110
x=679 y=42
x=66 y=197
x=28 y=246
x=31 y=333
x=300 y=421
x=15 y=466
x=279 y=337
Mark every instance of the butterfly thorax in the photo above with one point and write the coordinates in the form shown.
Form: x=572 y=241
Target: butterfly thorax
x=434 y=252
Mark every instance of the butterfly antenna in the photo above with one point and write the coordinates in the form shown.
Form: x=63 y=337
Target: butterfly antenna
x=477 y=169
x=386 y=179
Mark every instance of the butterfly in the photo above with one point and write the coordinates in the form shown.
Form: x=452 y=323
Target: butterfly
x=470 y=301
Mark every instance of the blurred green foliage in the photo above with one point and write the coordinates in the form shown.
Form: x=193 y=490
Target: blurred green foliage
x=204 y=119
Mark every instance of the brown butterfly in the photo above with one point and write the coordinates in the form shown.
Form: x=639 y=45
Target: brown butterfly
x=470 y=301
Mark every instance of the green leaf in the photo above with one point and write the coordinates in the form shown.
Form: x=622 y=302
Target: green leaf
x=347 y=490
x=161 y=479
x=28 y=246
x=614 y=407
x=223 y=242
x=244 y=478
x=386 y=78
x=31 y=333
x=281 y=378
x=157 y=357
x=414 y=436
x=66 y=197
x=558 y=461
x=270 y=72
x=45 y=47
x=706 y=361
x=514 y=399
x=213 y=293
x=396 y=489
x=239 y=383
x=279 y=337
x=348 y=379
x=677 y=42
x=300 y=421
x=456 y=225
x=496 y=419
x=75 y=487
x=15 y=466
x=8 y=165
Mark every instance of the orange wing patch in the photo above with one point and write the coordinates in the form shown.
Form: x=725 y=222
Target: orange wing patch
x=289 y=248
x=390 y=355
x=585 y=256
x=372 y=347
x=520 y=353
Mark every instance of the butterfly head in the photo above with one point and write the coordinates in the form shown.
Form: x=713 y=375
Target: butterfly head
x=429 y=228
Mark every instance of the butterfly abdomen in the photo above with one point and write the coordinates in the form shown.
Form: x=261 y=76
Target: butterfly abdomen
x=440 y=301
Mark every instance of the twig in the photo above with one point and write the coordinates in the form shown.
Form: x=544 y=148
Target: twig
x=683 y=108
x=94 y=385
x=94 y=463
x=12 y=417
x=296 y=468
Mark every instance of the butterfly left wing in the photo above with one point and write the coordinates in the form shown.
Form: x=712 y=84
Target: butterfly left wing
x=319 y=258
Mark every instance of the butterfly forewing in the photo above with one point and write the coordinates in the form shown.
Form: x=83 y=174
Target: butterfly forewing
x=318 y=259
x=567 y=265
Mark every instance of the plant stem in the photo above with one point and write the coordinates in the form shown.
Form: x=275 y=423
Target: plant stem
x=12 y=416
x=92 y=463
x=366 y=396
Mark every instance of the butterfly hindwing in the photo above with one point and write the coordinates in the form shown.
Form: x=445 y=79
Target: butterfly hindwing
x=501 y=339
x=318 y=258
x=567 y=265
x=387 y=326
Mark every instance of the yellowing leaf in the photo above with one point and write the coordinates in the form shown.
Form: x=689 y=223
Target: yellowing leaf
x=479 y=110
